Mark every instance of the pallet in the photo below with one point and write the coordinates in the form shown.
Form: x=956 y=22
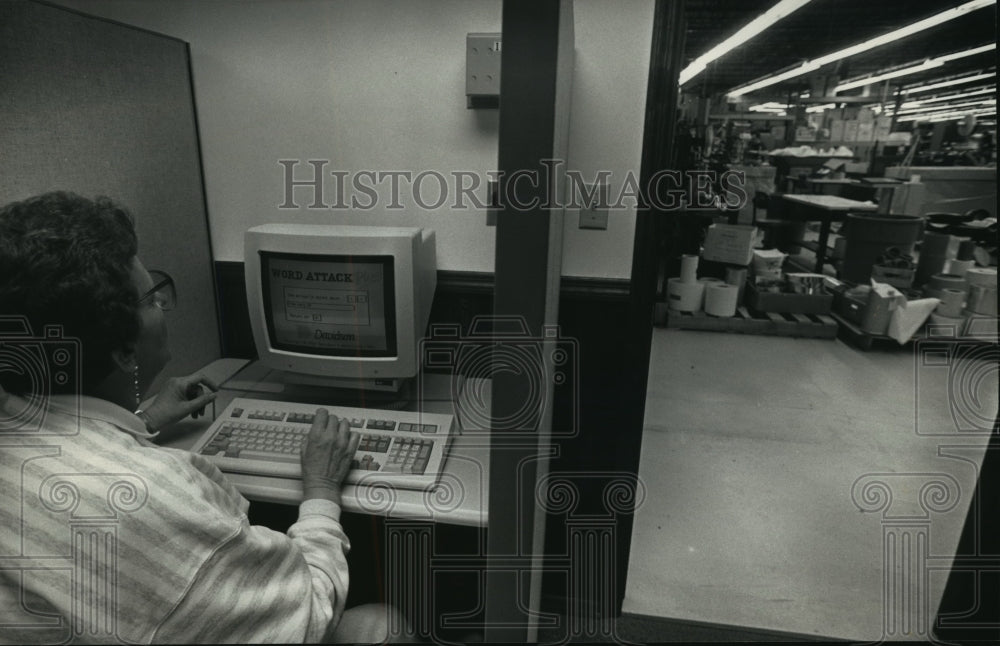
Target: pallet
x=746 y=321
x=853 y=335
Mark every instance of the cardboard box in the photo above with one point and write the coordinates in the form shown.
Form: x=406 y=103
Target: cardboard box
x=837 y=130
x=851 y=130
x=805 y=133
x=730 y=243
x=851 y=307
x=788 y=303
x=866 y=130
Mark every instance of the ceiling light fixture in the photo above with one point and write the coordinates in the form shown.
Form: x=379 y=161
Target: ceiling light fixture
x=892 y=36
x=946 y=115
x=930 y=63
x=949 y=97
x=949 y=83
x=922 y=67
x=949 y=106
x=744 y=34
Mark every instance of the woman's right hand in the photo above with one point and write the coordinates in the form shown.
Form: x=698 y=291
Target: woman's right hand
x=327 y=455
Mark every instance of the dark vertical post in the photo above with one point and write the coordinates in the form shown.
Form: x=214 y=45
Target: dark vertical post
x=666 y=58
x=528 y=134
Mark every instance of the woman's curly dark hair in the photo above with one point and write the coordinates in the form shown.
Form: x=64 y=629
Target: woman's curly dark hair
x=66 y=260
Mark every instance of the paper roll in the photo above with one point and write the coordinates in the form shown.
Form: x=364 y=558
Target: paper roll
x=720 y=299
x=983 y=276
x=707 y=281
x=952 y=301
x=982 y=300
x=946 y=281
x=960 y=267
x=966 y=250
x=689 y=268
x=684 y=297
x=737 y=276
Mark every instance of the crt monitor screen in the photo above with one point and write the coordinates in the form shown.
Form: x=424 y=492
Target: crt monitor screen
x=335 y=306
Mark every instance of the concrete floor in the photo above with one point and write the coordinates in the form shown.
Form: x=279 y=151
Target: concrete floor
x=769 y=464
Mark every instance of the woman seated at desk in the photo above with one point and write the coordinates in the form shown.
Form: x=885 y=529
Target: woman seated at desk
x=180 y=562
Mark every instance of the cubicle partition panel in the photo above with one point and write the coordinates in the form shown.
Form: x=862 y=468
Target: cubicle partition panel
x=99 y=108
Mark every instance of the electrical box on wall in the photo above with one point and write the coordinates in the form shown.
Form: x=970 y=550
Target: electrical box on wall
x=482 y=70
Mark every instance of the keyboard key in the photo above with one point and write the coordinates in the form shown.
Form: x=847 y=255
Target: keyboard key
x=237 y=412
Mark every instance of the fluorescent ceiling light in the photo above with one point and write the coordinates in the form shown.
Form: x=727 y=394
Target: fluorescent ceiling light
x=770 y=106
x=892 y=36
x=949 y=97
x=905 y=105
x=926 y=65
x=744 y=34
x=930 y=63
x=949 y=83
x=804 y=68
x=937 y=116
x=967 y=52
x=950 y=106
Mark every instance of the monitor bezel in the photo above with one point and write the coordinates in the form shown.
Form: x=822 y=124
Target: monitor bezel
x=403 y=243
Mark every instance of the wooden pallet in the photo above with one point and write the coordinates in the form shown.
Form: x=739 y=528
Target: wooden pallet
x=746 y=321
x=851 y=334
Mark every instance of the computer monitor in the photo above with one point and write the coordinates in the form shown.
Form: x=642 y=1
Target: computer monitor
x=340 y=306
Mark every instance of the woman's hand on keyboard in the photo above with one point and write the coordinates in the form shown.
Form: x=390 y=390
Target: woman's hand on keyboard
x=327 y=456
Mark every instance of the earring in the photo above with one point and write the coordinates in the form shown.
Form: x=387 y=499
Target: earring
x=138 y=393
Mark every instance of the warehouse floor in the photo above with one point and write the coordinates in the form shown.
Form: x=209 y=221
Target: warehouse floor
x=777 y=472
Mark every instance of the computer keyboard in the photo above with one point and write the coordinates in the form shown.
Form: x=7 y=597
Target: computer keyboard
x=262 y=437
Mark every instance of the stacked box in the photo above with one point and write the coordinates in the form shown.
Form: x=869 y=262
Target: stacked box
x=837 y=130
x=730 y=243
x=851 y=130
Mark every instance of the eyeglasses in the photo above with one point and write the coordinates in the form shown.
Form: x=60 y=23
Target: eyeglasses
x=163 y=293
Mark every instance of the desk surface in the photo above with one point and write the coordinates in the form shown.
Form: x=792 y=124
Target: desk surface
x=830 y=202
x=461 y=497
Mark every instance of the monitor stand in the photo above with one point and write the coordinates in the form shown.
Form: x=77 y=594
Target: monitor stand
x=256 y=378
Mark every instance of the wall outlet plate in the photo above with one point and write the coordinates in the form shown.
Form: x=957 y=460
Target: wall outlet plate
x=594 y=207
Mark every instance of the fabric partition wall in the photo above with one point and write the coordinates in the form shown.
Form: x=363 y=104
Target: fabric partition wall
x=100 y=108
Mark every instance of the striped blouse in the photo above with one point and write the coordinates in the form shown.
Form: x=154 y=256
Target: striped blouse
x=105 y=537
